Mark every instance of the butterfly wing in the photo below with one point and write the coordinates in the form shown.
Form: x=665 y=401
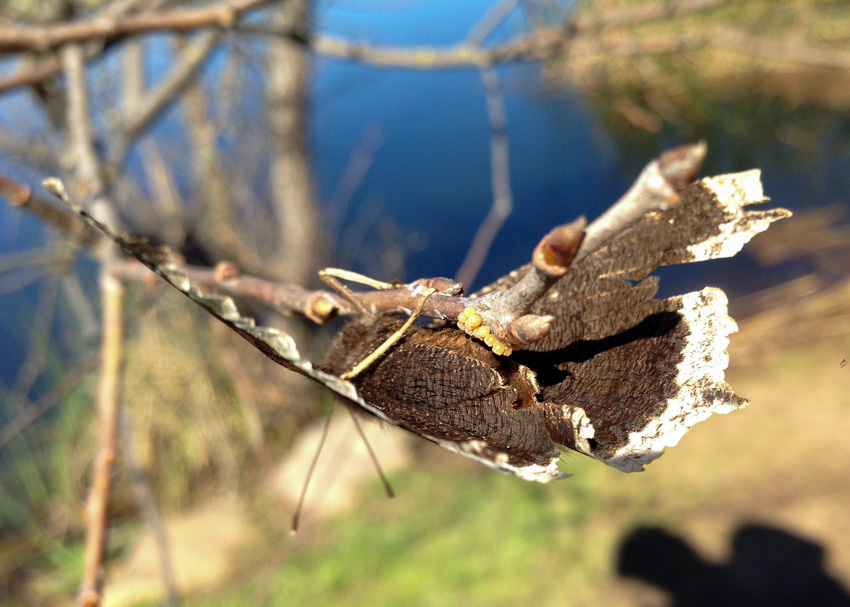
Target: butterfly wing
x=643 y=370
x=453 y=391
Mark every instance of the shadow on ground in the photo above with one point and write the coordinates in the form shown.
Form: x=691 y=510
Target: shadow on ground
x=768 y=566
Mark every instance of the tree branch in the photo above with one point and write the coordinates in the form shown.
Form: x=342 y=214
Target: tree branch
x=500 y=180
x=97 y=508
x=497 y=13
x=502 y=313
x=656 y=188
x=108 y=29
x=21 y=196
x=154 y=102
x=86 y=170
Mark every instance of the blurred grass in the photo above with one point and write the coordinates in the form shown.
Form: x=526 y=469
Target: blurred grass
x=459 y=534
x=456 y=535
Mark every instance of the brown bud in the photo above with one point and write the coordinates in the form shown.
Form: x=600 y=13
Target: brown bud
x=320 y=307
x=554 y=254
x=225 y=270
x=529 y=329
x=680 y=165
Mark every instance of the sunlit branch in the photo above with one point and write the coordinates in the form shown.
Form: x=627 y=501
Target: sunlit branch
x=500 y=179
x=656 y=188
x=107 y=29
x=86 y=171
x=21 y=196
x=154 y=102
x=504 y=312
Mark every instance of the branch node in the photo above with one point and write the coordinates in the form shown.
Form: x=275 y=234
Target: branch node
x=554 y=254
x=528 y=329
x=446 y=286
x=226 y=270
x=320 y=307
x=55 y=186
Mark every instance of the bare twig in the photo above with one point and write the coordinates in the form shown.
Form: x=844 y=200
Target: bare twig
x=21 y=260
x=32 y=412
x=220 y=228
x=23 y=38
x=490 y=21
x=657 y=187
x=318 y=306
x=31 y=74
x=88 y=185
x=36 y=361
x=149 y=107
x=81 y=154
x=290 y=174
x=500 y=314
x=21 y=196
x=97 y=507
x=507 y=311
x=543 y=43
x=500 y=180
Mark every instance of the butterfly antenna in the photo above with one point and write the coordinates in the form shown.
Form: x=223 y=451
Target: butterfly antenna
x=387 y=487
x=296 y=518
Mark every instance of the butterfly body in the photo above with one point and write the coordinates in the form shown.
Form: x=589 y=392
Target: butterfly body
x=453 y=390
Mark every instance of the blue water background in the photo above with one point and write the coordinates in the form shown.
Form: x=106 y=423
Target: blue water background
x=430 y=175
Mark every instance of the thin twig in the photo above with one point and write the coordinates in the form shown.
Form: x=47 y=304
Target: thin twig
x=155 y=102
x=500 y=180
x=39 y=340
x=502 y=313
x=20 y=195
x=541 y=44
x=97 y=507
x=23 y=38
x=89 y=186
x=490 y=21
x=34 y=411
x=657 y=187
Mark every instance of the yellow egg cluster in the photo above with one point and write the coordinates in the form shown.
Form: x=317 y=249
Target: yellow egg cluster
x=470 y=321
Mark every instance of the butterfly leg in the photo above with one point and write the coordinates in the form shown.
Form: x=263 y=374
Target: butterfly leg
x=332 y=277
x=390 y=341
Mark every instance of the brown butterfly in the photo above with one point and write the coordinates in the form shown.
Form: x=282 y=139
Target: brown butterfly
x=619 y=377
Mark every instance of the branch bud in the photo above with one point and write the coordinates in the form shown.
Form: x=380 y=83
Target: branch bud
x=320 y=307
x=528 y=329
x=554 y=254
x=225 y=270
x=680 y=166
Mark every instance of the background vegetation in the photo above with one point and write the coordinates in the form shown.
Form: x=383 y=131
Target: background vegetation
x=217 y=130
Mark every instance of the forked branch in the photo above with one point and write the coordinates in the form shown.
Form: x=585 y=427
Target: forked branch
x=503 y=315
